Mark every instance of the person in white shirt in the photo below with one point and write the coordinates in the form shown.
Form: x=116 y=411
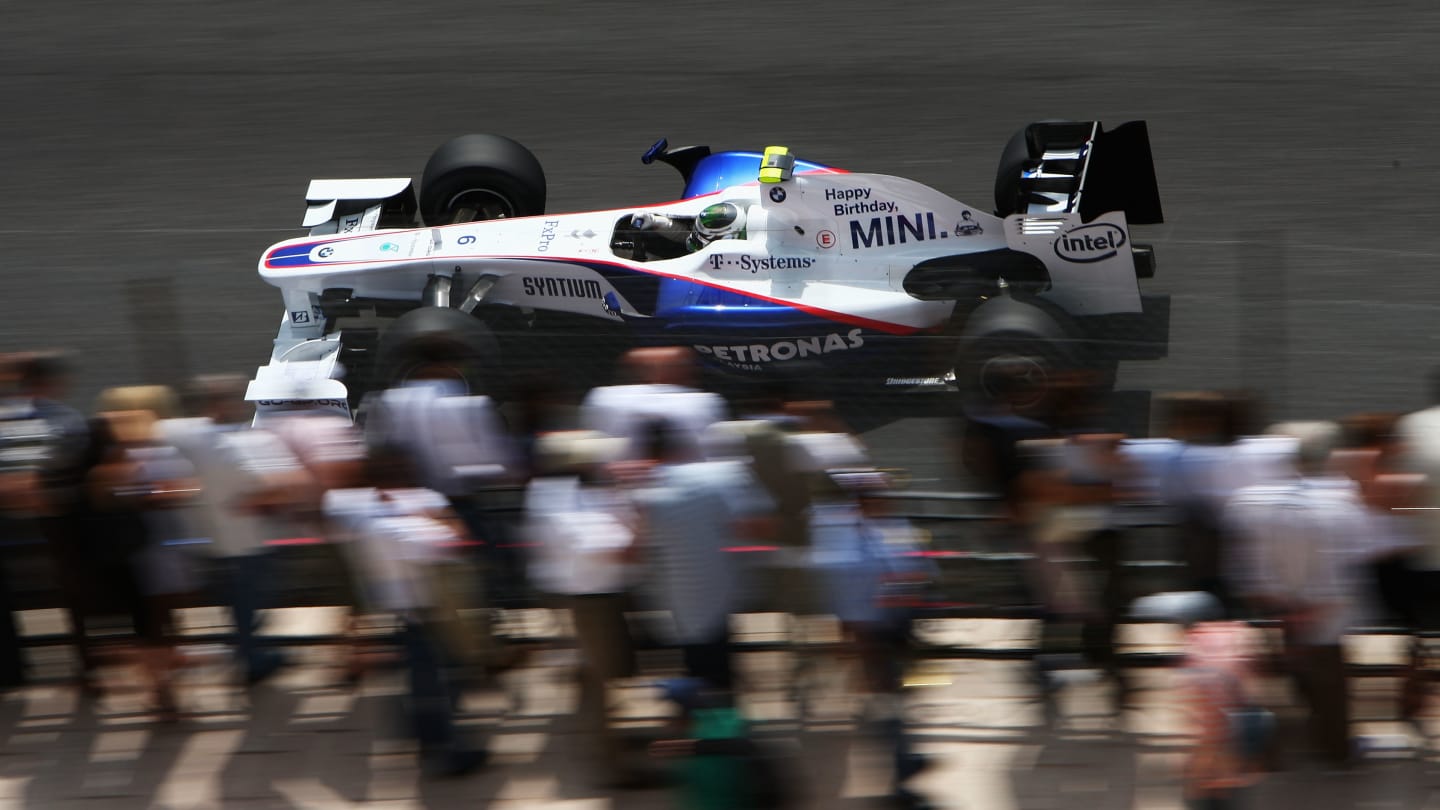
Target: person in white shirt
x=661 y=384
x=329 y=446
x=400 y=537
x=1300 y=555
x=692 y=513
x=581 y=537
x=249 y=482
x=456 y=441
x=459 y=446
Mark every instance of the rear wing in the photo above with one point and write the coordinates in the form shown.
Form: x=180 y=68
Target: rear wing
x=357 y=206
x=1065 y=167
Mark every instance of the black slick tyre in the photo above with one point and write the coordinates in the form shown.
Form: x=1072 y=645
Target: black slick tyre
x=1013 y=353
x=439 y=340
x=479 y=177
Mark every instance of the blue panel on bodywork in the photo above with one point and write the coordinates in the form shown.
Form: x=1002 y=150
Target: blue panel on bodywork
x=687 y=304
x=725 y=169
x=738 y=333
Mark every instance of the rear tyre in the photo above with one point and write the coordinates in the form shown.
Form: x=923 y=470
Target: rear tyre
x=480 y=177
x=1010 y=368
x=1014 y=354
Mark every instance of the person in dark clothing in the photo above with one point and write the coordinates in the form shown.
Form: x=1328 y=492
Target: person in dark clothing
x=42 y=447
x=1199 y=482
x=129 y=489
x=992 y=438
x=14 y=481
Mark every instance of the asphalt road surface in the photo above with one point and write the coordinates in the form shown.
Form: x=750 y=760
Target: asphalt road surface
x=153 y=149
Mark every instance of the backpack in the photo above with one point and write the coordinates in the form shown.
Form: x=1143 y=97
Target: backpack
x=748 y=776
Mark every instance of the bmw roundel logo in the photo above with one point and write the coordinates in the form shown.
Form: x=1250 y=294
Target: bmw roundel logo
x=325 y=252
x=777 y=194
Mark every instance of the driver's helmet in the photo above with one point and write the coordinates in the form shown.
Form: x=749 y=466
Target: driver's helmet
x=718 y=221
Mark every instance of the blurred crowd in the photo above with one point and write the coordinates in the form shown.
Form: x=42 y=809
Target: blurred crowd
x=656 y=511
x=1290 y=536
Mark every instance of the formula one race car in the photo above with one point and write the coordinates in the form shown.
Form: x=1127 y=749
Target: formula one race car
x=768 y=266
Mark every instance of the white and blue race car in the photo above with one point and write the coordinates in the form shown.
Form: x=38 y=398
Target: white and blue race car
x=768 y=266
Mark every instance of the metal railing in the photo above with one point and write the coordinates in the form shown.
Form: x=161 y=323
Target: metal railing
x=980 y=577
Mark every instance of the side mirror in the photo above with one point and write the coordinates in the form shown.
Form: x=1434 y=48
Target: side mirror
x=684 y=159
x=658 y=148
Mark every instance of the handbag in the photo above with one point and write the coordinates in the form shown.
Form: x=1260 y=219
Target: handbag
x=1251 y=726
x=1252 y=730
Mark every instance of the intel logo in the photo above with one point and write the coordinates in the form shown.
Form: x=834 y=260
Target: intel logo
x=1090 y=243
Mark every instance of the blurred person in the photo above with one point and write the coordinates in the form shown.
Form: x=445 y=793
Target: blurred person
x=330 y=447
x=16 y=480
x=1089 y=485
x=1418 y=435
x=1145 y=461
x=691 y=512
x=1418 y=440
x=250 y=482
x=460 y=446
x=763 y=437
x=787 y=445
x=1199 y=482
x=1256 y=457
x=781 y=448
x=582 y=538
x=457 y=442
x=1061 y=491
x=43 y=444
x=404 y=538
x=770 y=438
x=1372 y=457
x=1231 y=731
x=997 y=449
x=331 y=450
x=866 y=557
x=991 y=438
x=1300 y=557
x=1071 y=489
x=1066 y=492
x=659 y=383
x=540 y=406
x=133 y=489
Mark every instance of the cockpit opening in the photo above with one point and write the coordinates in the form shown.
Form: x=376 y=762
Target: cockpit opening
x=647 y=236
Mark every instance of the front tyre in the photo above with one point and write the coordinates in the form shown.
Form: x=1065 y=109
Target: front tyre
x=434 y=341
x=480 y=177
